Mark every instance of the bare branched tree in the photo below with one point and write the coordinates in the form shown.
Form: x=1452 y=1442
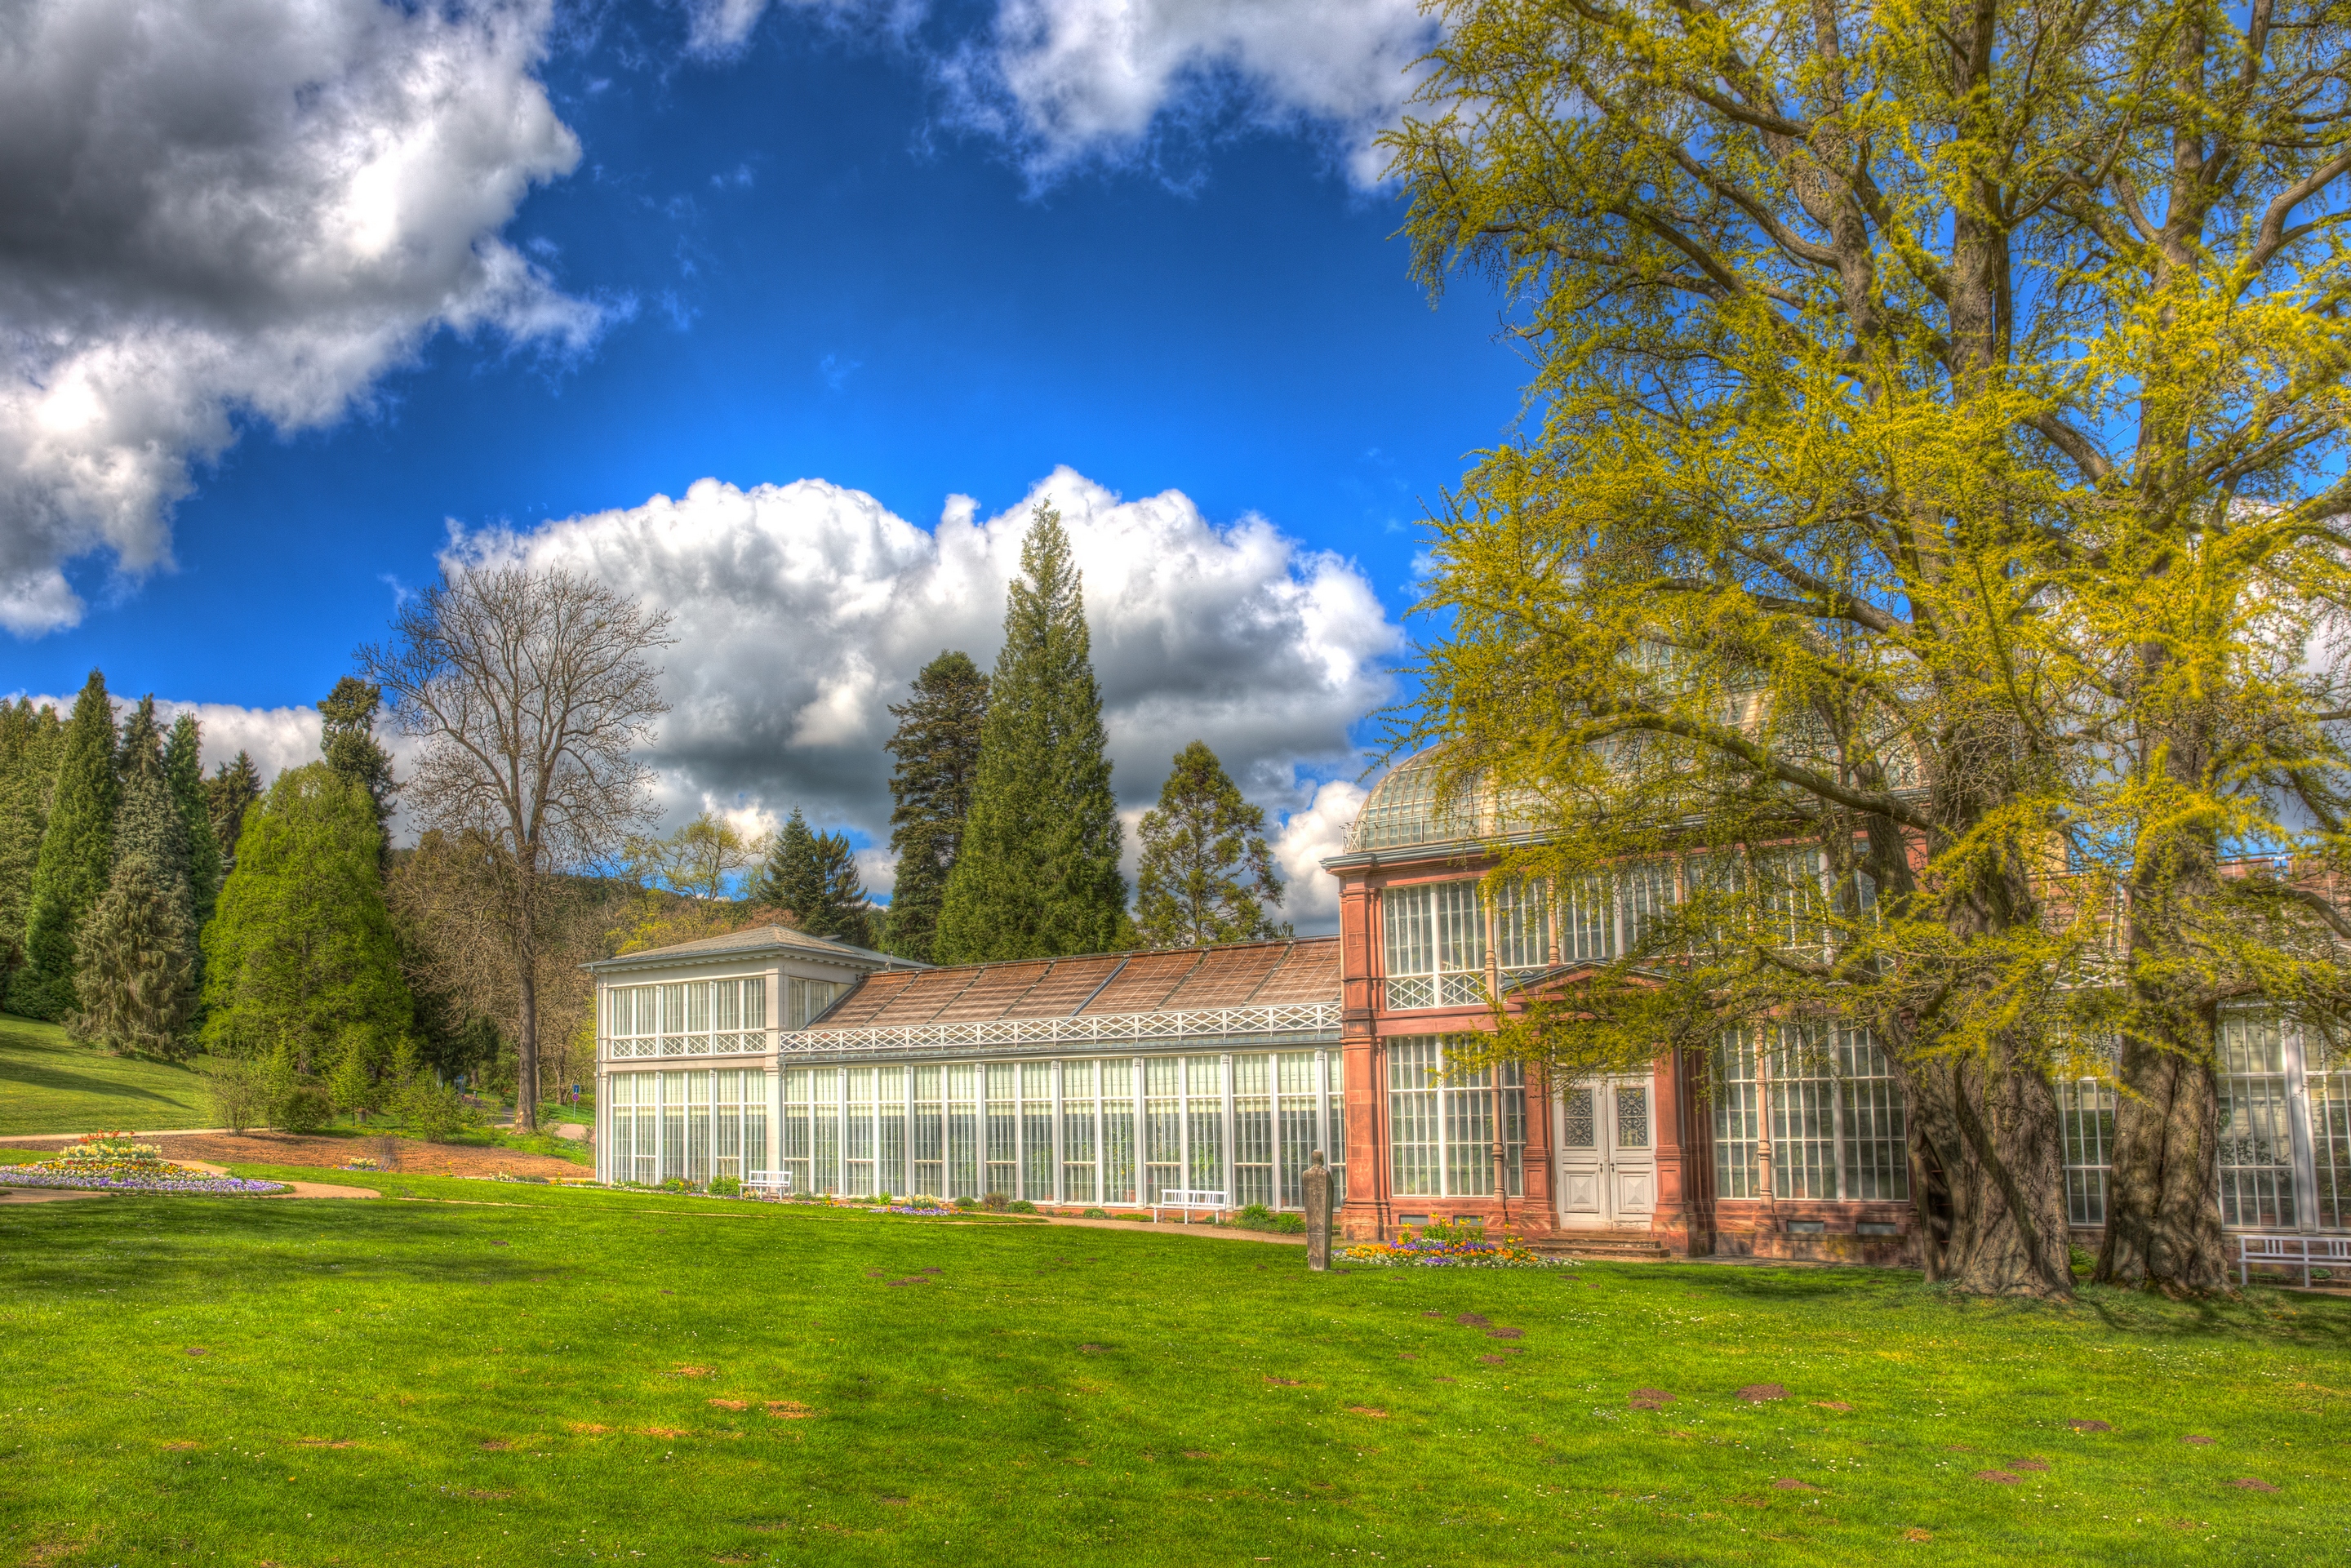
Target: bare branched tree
x=532 y=694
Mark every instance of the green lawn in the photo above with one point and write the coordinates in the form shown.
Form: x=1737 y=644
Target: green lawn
x=518 y=1375
x=49 y=1084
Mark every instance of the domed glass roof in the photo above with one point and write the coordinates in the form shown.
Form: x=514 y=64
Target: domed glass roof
x=1402 y=809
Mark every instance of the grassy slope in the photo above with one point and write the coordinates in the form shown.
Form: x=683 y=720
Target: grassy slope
x=506 y=1380
x=49 y=1084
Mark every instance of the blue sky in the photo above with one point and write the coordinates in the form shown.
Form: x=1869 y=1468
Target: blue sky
x=804 y=252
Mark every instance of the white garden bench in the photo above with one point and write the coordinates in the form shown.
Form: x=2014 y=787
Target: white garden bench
x=1186 y=1199
x=2293 y=1250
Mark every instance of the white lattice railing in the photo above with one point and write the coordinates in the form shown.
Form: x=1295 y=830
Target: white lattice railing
x=748 y=1042
x=1105 y=1028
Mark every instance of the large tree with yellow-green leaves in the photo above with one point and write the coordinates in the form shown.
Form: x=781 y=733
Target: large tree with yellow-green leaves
x=1933 y=464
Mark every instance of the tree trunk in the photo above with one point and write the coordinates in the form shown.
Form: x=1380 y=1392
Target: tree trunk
x=1993 y=1129
x=527 y=1043
x=2163 y=1213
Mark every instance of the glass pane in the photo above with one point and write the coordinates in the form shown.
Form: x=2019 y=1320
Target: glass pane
x=1414 y=1144
x=1738 y=1121
x=1576 y=1128
x=2256 y=1148
x=1460 y=929
x=1411 y=947
x=697 y=1127
x=755 y=1123
x=2328 y=1083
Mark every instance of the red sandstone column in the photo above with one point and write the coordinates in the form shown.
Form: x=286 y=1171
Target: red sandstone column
x=1669 y=1220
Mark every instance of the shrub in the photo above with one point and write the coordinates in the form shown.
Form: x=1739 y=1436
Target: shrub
x=725 y=1187
x=239 y=1091
x=302 y=1108
x=429 y=1110
x=1287 y=1225
x=884 y=1200
x=995 y=1202
x=1021 y=1206
x=1095 y=1214
x=966 y=1203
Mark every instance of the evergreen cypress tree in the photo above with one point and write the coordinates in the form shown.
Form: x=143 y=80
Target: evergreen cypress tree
x=1206 y=874
x=1038 y=873
x=347 y=741
x=814 y=875
x=937 y=749
x=135 y=971
x=301 y=959
x=233 y=786
x=183 y=769
x=77 y=855
x=29 y=740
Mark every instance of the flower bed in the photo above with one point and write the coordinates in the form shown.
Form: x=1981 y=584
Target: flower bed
x=110 y=1162
x=1449 y=1252
x=911 y=1208
x=140 y=1176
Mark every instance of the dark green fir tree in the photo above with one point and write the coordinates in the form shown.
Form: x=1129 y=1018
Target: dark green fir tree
x=184 y=770
x=814 y=875
x=233 y=786
x=1037 y=876
x=1206 y=874
x=147 y=822
x=347 y=741
x=29 y=742
x=937 y=751
x=135 y=974
x=77 y=856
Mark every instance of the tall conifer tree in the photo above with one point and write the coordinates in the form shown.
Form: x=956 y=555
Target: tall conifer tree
x=347 y=741
x=184 y=770
x=814 y=875
x=77 y=855
x=1038 y=873
x=1206 y=874
x=233 y=786
x=301 y=959
x=937 y=749
x=147 y=822
x=29 y=739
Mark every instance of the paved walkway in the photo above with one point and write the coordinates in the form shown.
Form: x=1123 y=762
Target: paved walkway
x=12 y=1196
x=297 y=1188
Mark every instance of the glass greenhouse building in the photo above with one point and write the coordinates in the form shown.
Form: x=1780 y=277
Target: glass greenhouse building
x=1114 y=1079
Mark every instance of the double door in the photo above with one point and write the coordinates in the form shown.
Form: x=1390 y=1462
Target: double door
x=1607 y=1156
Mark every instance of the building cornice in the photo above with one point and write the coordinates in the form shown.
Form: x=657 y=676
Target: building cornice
x=1296 y=1021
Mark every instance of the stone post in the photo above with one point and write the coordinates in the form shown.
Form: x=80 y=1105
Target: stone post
x=1316 y=1181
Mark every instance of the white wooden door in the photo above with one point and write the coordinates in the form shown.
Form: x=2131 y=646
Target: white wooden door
x=1607 y=1160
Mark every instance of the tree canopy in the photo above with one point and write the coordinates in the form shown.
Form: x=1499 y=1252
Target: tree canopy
x=301 y=960
x=530 y=692
x=814 y=875
x=1924 y=545
x=936 y=747
x=347 y=743
x=700 y=859
x=77 y=855
x=1206 y=875
x=1036 y=873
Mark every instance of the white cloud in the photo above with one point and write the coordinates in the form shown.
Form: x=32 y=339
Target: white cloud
x=720 y=26
x=804 y=610
x=1070 y=80
x=275 y=738
x=218 y=210
x=1320 y=829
